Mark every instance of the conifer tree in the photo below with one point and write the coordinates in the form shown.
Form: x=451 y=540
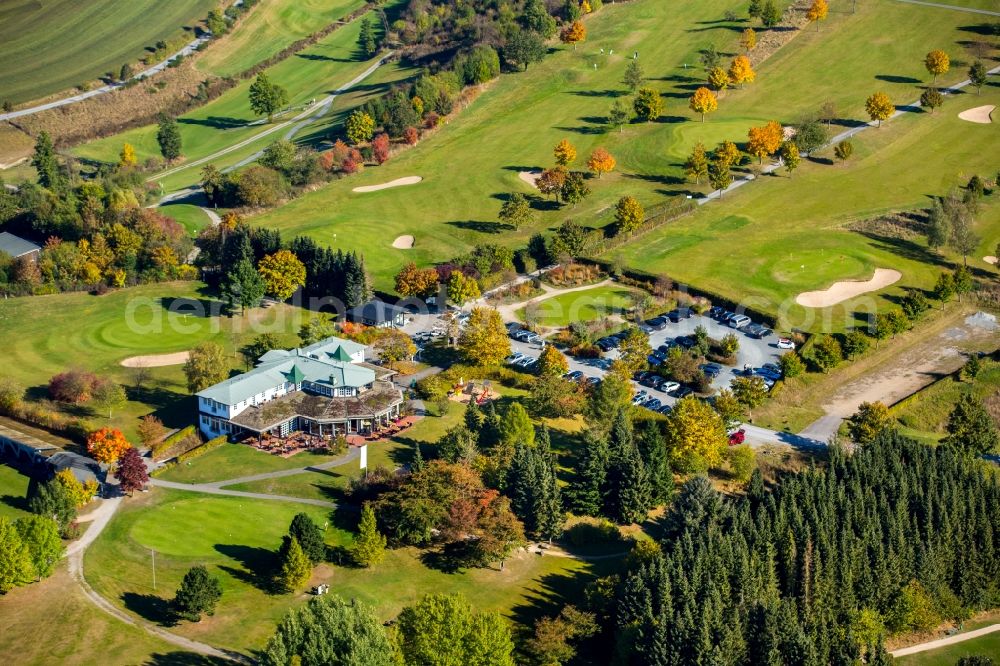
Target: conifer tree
x=369 y=545
x=295 y=569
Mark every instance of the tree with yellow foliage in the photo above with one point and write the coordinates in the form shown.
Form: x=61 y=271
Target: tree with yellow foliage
x=573 y=33
x=629 y=215
x=741 y=72
x=703 y=101
x=565 y=153
x=80 y=493
x=601 y=162
x=696 y=434
x=937 y=62
x=283 y=273
x=764 y=141
x=817 y=12
x=728 y=153
x=879 y=107
x=484 y=340
x=718 y=78
x=127 y=157
x=552 y=363
x=748 y=40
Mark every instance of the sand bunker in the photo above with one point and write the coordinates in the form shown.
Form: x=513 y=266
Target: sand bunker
x=156 y=360
x=409 y=180
x=403 y=242
x=530 y=177
x=842 y=291
x=980 y=114
x=990 y=259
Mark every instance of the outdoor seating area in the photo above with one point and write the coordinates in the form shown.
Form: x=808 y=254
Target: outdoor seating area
x=380 y=433
x=296 y=442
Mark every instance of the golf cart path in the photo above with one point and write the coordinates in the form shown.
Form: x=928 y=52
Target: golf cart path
x=190 y=48
x=507 y=311
x=100 y=517
x=912 y=107
x=311 y=113
x=947 y=640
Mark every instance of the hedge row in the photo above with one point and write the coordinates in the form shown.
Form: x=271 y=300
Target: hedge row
x=169 y=442
x=203 y=449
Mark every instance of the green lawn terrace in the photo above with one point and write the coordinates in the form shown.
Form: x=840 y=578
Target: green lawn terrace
x=228 y=121
x=470 y=164
x=45 y=335
x=587 y=305
x=51 y=47
x=236 y=538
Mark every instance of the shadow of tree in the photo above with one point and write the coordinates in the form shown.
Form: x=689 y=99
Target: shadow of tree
x=316 y=57
x=892 y=78
x=477 y=225
x=259 y=565
x=184 y=659
x=216 y=122
x=150 y=607
x=597 y=93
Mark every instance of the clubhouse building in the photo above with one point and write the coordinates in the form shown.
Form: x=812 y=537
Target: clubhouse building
x=325 y=389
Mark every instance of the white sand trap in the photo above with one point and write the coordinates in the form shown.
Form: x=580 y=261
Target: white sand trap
x=409 y=180
x=980 y=114
x=990 y=259
x=844 y=290
x=156 y=360
x=530 y=177
x=403 y=242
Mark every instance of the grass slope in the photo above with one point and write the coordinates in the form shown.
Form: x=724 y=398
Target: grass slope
x=236 y=539
x=48 y=334
x=270 y=27
x=470 y=165
x=586 y=305
x=924 y=415
x=228 y=120
x=13 y=493
x=988 y=645
x=52 y=45
x=190 y=217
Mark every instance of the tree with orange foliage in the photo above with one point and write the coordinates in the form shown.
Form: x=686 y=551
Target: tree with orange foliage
x=764 y=141
x=107 y=445
x=817 y=12
x=413 y=281
x=740 y=71
x=601 y=162
x=565 y=153
x=573 y=33
x=703 y=101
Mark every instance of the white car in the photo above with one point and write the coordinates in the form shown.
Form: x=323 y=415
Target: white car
x=785 y=343
x=669 y=387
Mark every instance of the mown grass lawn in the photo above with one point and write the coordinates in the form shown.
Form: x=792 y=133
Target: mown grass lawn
x=57 y=44
x=235 y=460
x=190 y=217
x=307 y=75
x=13 y=493
x=66 y=628
x=236 y=538
x=983 y=646
x=470 y=165
x=598 y=303
x=268 y=28
x=50 y=334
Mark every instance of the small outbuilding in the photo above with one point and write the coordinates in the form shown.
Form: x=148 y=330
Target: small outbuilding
x=378 y=314
x=16 y=247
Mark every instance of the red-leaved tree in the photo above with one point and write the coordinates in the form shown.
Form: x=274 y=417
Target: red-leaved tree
x=410 y=135
x=72 y=386
x=380 y=148
x=131 y=472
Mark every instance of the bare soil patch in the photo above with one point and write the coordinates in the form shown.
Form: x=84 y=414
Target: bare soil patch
x=408 y=180
x=844 y=290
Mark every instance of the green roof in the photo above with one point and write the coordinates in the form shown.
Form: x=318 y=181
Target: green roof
x=296 y=375
x=340 y=355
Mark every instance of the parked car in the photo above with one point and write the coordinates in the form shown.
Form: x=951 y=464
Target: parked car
x=640 y=398
x=593 y=381
x=682 y=392
x=659 y=356
x=715 y=311
x=666 y=346
x=785 y=343
x=773 y=367
x=515 y=357
x=685 y=341
x=739 y=321
x=657 y=323
x=737 y=437
x=649 y=380
x=666 y=409
x=574 y=376
x=669 y=387
x=757 y=331
x=677 y=314
x=711 y=370
x=653 y=404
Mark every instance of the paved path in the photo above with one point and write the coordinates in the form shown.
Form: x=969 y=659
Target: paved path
x=99 y=519
x=970 y=10
x=295 y=124
x=103 y=90
x=913 y=107
x=948 y=640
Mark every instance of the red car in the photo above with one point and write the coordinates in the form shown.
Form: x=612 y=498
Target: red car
x=737 y=437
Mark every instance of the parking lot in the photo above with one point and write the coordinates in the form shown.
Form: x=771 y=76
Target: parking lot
x=753 y=353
